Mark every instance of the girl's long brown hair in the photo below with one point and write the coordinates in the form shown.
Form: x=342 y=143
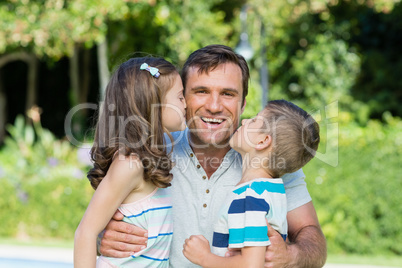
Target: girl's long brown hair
x=130 y=121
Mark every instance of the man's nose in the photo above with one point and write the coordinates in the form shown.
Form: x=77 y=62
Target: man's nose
x=214 y=104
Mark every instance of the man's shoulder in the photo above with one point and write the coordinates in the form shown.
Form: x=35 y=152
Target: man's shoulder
x=174 y=139
x=179 y=136
x=292 y=178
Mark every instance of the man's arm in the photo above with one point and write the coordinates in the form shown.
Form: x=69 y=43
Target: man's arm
x=121 y=239
x=307 y=247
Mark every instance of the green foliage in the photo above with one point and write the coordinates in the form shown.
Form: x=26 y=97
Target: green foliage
x=326 y=72
x=44 y=190
x=170 y=29
x=358 y=201
x=324 y=51
x=51 y=28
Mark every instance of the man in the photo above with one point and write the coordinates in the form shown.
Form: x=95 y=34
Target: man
x=216 y=83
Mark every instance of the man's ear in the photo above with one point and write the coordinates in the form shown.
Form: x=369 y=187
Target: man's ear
x=244 y=106
x=264 y=143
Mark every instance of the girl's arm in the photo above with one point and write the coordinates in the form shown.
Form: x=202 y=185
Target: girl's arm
x=197 y=250
x=123 y=176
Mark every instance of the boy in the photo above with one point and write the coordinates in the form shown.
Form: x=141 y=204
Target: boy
x=281 y=139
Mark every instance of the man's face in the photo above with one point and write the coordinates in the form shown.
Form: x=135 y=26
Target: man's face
x=214 y=104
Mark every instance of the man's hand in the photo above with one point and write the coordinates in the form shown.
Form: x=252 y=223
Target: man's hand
x=307 y=247
x=196 y=248
x=122 y=239
x=277 y=253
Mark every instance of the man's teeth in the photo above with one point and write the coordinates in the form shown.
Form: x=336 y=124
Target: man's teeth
x=212 y=120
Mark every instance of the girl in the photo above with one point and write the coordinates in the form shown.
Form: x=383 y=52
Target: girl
x=144 y=99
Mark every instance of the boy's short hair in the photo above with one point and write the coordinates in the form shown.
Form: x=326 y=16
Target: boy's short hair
x=295 y=136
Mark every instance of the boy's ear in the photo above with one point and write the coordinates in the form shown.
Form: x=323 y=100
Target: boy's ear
x=264 y=143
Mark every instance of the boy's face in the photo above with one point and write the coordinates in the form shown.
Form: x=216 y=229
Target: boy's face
x=248 y=135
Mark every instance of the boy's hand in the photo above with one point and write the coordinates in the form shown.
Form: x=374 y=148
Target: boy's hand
x=196 y=248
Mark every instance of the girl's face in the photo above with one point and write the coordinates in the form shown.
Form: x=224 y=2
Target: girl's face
x=174 y=107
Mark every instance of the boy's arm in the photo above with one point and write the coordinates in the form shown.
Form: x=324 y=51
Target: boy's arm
x=307 y=247
x=197 y=250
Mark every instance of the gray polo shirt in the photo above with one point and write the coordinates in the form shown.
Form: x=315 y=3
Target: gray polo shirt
x=197 y=199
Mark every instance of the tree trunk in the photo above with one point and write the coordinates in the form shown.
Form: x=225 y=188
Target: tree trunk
x=86 y=75
x=102 y=69
x=32 y=77
x=74 y=76
x=32 y=82
x=3 y=109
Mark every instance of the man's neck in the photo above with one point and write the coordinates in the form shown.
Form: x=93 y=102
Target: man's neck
x=210 y=158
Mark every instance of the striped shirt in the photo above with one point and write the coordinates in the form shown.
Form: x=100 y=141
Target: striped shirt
x=152 y=213
x=242 y=220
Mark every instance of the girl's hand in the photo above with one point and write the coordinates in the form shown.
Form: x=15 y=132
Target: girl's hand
x=196 y=249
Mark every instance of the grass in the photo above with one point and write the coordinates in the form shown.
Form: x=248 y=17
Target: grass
x=380 y=260
x=37 y=243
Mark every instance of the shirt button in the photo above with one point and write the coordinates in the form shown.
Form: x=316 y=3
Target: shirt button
x=198 y=166
x=207 y=191
x=191 y=154
x=204 y=177
x=205 y=205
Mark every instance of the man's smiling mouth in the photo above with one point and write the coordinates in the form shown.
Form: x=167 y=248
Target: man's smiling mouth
x=211 y=120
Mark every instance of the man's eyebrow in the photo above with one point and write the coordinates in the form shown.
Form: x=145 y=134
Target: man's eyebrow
x=198 y=88
x=234 y=91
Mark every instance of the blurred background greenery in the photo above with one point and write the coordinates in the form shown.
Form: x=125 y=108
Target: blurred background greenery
x=338 y=59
